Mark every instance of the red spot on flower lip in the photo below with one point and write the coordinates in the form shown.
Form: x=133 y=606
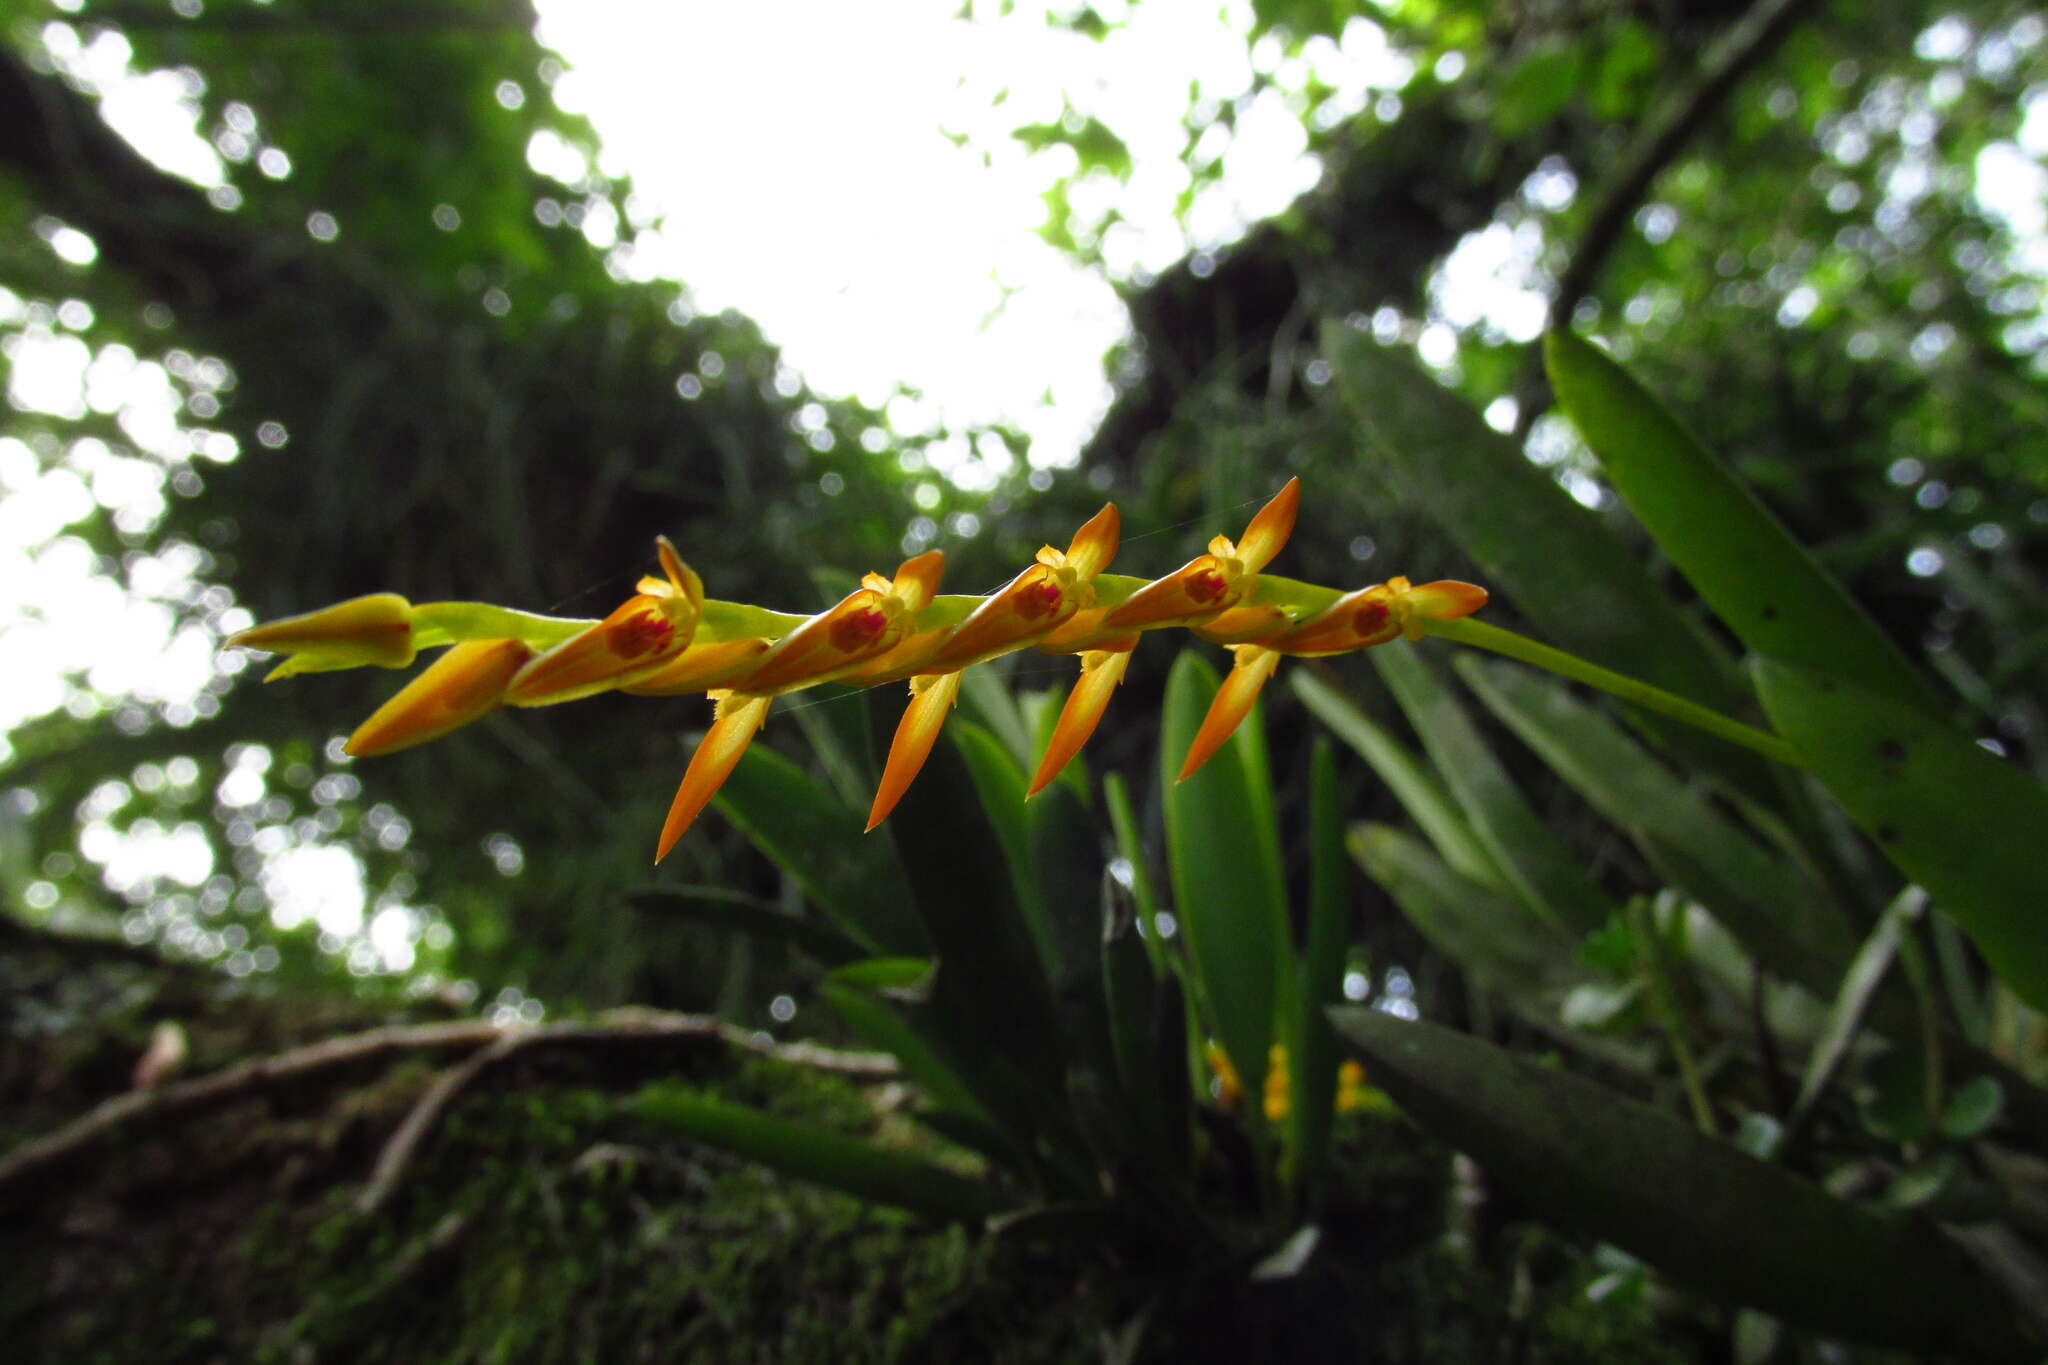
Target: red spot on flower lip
x=1206 y=587
x=857 y=629
x=1038 y=599
x=1370 y=617
x=641 y=633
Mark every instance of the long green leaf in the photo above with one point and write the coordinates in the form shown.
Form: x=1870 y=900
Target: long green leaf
x=1742 y=560
x=1227 y=881
x=1963 y=824
x=1781 y=917
x=881 y=1026
x=1555 y=561
x=817 y=839
x=1312 y=1074
x=1697 y=1208
x=1529 y=962
x=999 y=780
x=1539 y=868
x=991 y=985
x=827 y=1158
x=1405 y=775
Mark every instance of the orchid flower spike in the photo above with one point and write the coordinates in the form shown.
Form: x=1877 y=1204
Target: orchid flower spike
x=1213 y=582
x=645 y=631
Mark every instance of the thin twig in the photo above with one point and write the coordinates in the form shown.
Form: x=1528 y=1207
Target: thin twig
x=1665 y=134
x=1655 y=146
x=318 y=1061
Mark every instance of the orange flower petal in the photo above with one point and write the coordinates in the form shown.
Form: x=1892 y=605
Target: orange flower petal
x=931 y=696
x=636 y=636
x=1094 y=545
x=822 y=643
x=698 y=669
x=1243 y=625
x=739 y=719
x=917 y=581
x=1022 y=610
x=1196 y=589
x=1232 y=704
x=375 y=630
x=1269 y=530
x=1353 y=621
x=1446 y=599
x=1101 y=671
x=466 y=682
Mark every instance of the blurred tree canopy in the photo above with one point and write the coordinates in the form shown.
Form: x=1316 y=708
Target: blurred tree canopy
x=400 y=357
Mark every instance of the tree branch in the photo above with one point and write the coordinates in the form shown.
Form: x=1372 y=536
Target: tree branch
x=1755 y=36
x=491 y=1044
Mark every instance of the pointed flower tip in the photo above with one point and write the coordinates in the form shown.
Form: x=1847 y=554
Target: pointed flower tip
x=917 y=580
x=931 y=697
x=1101 y=671
x=1269 y=531
x=1232 y=703
x=738 y=720
x=1095 y=544
x=374 y=630
x=464 y=684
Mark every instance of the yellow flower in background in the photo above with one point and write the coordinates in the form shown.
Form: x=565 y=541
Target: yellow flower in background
x=1229 y=1090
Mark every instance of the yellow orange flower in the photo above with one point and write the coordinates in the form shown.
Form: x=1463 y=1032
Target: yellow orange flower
x=1229 y=1090
x=1233 y=702
x=1036 y=601
x=1275 y=1099
x=1101 y=671
x=465 y=683
x=866 y=622
x=1375 y=615
x=932 y=695
x=1211 y=583
x=645 y=631
x=375 y=630
x=1351 y=1088
x=733 y=727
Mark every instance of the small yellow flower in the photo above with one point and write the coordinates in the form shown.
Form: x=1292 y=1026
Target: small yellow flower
x=865 y=623
x=1229 y=1090
x=1351 y=1089
x=1276 y=1084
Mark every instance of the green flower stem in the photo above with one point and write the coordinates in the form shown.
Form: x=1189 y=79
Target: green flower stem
x=1480 y=635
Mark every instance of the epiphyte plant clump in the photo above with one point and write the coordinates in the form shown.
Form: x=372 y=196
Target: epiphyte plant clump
x=668 y=639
